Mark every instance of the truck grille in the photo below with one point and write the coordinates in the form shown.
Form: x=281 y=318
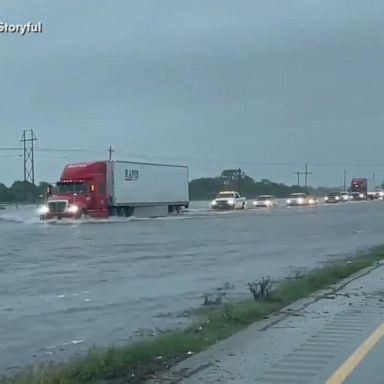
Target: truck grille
x=57 y=206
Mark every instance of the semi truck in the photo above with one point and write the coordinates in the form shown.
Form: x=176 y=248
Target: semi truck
x=100 y=189
x=359 y=188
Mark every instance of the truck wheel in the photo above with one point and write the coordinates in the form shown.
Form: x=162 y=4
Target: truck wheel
x=82 y=214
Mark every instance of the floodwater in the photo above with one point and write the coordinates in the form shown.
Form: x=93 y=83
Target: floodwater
x=69 y=285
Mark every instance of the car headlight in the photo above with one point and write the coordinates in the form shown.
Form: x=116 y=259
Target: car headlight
x=73 y=209
x=289 y=201
x=337 y=198
x=311 y=201
x=345 y=197
x=300 y=200
x=43 y=210
x=268 y=202
x=214 y=202
x=326 y=198
x=361 y=195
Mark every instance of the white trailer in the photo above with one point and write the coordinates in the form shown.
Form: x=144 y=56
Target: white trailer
x=160 y=188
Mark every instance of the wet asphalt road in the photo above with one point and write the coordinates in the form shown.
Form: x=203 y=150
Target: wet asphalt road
x=67 y=286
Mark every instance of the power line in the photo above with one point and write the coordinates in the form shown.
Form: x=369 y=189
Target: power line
x=42 y=149
x=199 y=159
x=10 y=156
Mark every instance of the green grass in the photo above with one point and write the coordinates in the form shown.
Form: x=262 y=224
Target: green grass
x=136 y=361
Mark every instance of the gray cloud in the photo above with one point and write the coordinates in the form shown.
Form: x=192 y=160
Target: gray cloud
x=211 y=84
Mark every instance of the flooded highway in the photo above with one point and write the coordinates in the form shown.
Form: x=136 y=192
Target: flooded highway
x=67 y=286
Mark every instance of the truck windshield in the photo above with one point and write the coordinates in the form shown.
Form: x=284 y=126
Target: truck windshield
x=225 y=194
x=294 y=195
x=265 y=197
x=71 y=188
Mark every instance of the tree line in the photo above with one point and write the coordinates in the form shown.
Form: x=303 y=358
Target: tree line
x=22 y=192
x=199 y=189
x=207 y=188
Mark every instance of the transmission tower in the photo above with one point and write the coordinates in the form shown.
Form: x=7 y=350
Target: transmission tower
x=28 y=139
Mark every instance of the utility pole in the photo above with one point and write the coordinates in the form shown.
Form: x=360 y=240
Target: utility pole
x=28 y=138
x=306 y=173
x=298 y=173
x=110 y=150
x=239 y=180
x=345 y=179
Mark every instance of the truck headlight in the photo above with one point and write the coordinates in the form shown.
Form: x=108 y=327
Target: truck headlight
x=213 y=202
x=326 y=198
x=300 y=200
x=289 y=201
x=361 y=195
x=311 y=201
x=73 y=209
x=231 y=202
x=337 y=198
x=43 y=210
x=268 y=203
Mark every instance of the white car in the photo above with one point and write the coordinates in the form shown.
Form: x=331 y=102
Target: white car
x=265 y=201
x=345 y=196
x=229 y=200
x=301 y=199
x=379 y=194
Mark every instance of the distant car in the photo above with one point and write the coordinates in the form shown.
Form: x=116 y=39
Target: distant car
x=345 y=196
x=379 y=194
x=357 y=196
x=301 y=199
x=229 y=200
x=333 y=197
x=266 y=201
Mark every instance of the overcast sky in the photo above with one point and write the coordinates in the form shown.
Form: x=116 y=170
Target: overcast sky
x=265 y=85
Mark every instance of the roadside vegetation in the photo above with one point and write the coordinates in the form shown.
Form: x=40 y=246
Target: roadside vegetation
x=137 y=362
x=22 y=192
x=207 y=188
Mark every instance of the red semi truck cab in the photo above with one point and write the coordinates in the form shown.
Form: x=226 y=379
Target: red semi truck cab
x=80 y=191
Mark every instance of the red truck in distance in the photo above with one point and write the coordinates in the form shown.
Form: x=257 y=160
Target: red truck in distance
x=359 y=189
x=100 y=189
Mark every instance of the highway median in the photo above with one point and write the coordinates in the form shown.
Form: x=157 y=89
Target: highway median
x=137 y=362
